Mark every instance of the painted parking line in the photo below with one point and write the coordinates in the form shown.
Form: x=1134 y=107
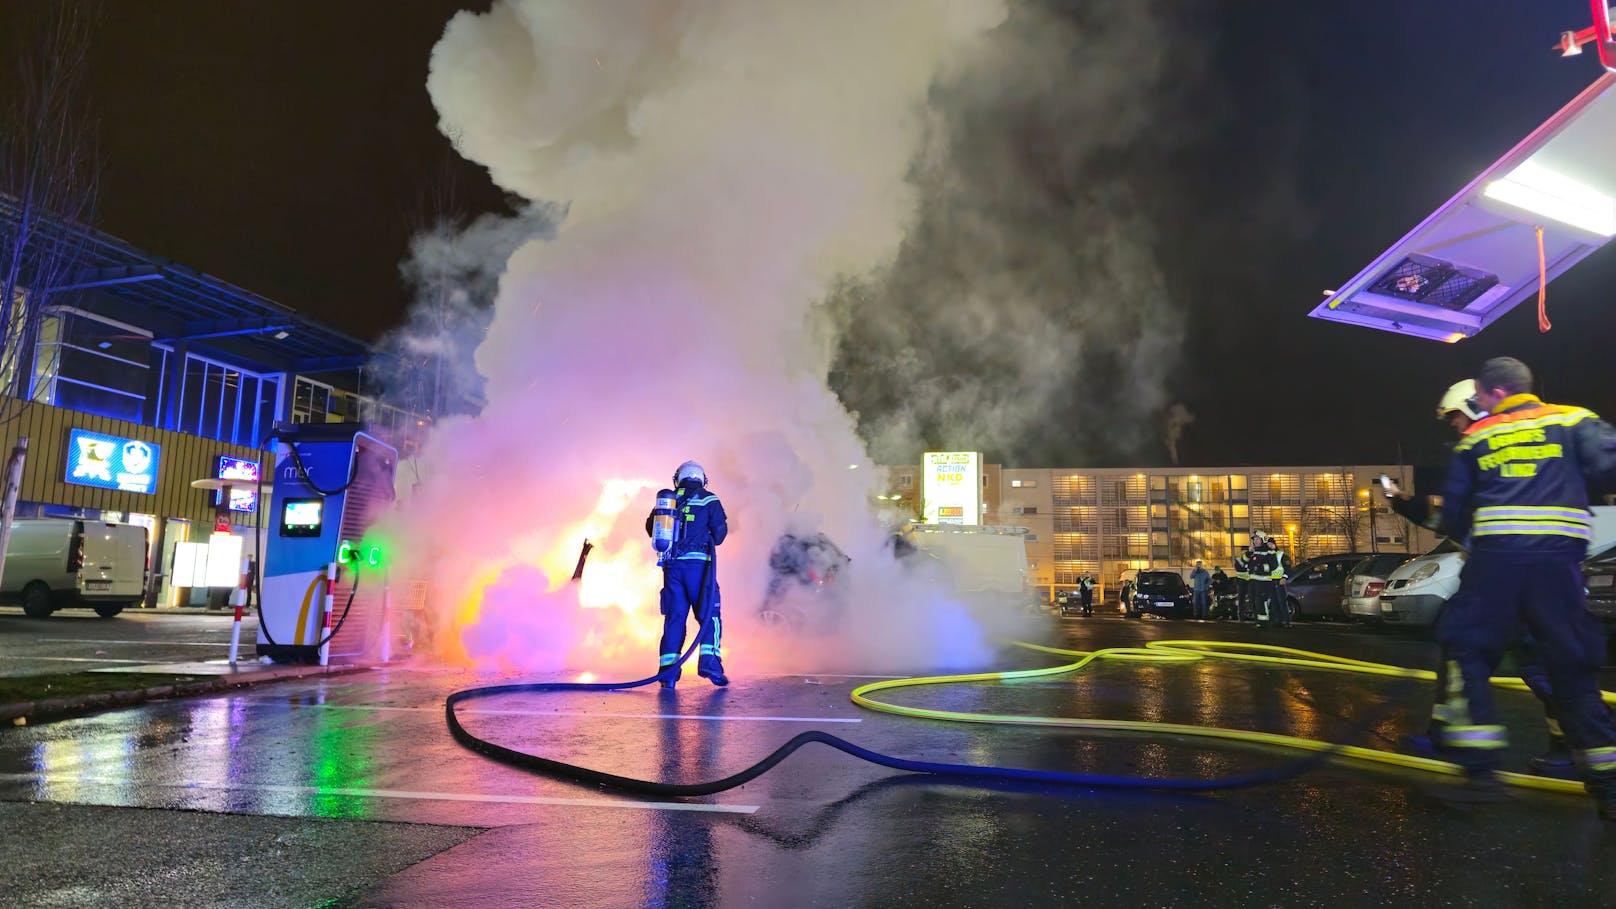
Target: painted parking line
x=838 y=675
x=222 y=645
x=397 y=794
x=598 y=715
x=75 y=659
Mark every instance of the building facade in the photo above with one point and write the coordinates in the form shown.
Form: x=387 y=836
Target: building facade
x=1101 y=523
x=140 y=376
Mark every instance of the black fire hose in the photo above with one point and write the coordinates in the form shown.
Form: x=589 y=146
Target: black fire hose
x=971 y=774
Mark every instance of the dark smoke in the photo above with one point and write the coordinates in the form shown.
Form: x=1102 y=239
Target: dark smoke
x=1026 y=313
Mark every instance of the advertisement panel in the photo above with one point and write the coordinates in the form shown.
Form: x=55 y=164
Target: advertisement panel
x=952 y=486
x=239 y=469
x=111 y=462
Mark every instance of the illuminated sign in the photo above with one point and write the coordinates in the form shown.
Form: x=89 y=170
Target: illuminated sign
x=952 y=487
x=111 y=462
x=239 y=469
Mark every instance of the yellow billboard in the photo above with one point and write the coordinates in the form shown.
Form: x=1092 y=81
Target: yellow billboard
x=952 y=487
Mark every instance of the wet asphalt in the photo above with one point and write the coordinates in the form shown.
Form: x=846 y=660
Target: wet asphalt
x=349 y=792
x=78 y=640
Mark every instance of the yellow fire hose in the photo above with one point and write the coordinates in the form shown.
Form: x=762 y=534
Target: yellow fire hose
x=1189 y=652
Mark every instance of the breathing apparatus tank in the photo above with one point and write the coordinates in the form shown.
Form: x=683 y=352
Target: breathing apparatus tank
x=664 y=524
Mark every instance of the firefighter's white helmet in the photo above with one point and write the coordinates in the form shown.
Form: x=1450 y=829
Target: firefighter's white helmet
x=689 y=470
x=1460 y=397
x=1259 y=537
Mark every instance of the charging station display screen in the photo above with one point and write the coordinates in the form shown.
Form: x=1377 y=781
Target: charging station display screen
x=302 y=517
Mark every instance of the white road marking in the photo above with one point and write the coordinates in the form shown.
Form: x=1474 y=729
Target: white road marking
x=478 y=711
x=404 y=794
x=222 y=645
x=76 y=659
x=833 y=675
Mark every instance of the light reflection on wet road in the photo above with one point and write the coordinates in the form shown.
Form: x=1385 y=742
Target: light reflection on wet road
x=824 y=829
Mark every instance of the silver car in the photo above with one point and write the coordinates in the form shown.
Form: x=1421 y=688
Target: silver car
x=1366 y=582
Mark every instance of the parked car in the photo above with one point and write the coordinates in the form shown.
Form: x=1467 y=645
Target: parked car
x=1315 y=588
x=1416 y=590
x=55 y=564
x=1367 y=581
x=1599 y=578
x=1162 y=593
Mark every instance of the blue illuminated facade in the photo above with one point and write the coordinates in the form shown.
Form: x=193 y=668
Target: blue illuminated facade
x=139 y=338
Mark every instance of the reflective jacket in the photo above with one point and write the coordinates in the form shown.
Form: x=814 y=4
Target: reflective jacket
x=1519 y=478
x=1266 y=565
x=1242 y=565
x=702 y=527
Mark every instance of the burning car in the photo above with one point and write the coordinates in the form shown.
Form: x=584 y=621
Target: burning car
x=803 y=593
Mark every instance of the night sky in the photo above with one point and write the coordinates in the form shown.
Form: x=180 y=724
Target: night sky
x=291 y=148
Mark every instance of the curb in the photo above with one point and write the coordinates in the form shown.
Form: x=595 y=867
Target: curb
x=75 y=705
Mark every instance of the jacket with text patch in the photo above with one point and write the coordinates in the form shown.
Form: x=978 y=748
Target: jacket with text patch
x=1519 y=478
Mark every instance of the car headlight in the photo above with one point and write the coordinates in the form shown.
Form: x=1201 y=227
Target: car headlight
x=1425 y=573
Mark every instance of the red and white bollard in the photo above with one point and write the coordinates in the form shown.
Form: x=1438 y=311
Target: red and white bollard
x=330 y=608
x=238 y=599
x=387 y=623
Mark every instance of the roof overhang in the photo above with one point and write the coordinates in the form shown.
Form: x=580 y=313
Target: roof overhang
x=1476 y=257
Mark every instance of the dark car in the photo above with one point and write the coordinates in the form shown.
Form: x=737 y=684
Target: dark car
x=1599 y=577
x=803 y=594
x=1315 y=588
x=1162 y=593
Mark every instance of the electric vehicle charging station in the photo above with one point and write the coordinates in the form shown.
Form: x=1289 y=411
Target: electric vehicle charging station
x=322 y=586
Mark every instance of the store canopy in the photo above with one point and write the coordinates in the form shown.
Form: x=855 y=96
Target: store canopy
x=1478 y=256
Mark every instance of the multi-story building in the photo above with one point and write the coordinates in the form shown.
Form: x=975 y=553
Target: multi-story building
x=175 y=367
x=1103 y=522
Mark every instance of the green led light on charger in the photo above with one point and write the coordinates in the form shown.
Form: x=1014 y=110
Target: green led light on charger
x=371 y=554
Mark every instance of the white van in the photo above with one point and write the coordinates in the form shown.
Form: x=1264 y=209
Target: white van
x=1415 y=592
x=988 y=564
x=51 y=564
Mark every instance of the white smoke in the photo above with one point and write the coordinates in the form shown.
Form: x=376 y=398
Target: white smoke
x=722 y=161
x=1175 y=420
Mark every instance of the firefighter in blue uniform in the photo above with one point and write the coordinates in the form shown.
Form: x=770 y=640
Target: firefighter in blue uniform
x=1267 y=573
x=1458 y=410
x=1518 y=484
x=1242 y=585
x=690 y=577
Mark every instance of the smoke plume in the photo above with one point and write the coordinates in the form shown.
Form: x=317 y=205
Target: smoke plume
x=1026 y=313
x=1175 y=420
x=425 y=366
x=722 y=161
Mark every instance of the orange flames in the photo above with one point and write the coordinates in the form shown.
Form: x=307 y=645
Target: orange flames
x=616 y=600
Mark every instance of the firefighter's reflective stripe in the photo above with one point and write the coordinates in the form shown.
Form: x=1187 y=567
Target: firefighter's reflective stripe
x=1554 y=728
x=1599 y=760
x=1533 y=513
x=1533 y=520
x=668 y=659
x=1440 y=712
x=1532 y=529
x=1457 y=708
x=703 y=500
x=1523 y=421
x=694 y=557
x=1487 y=737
